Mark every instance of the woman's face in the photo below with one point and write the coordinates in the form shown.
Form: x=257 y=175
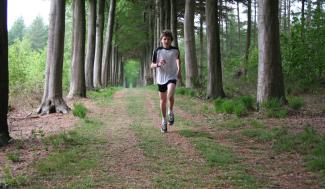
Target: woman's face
x=166 y=41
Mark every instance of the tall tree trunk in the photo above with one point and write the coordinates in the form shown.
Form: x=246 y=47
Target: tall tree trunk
x=108 y=44
x=255 y=22
x=302 y=19
x=189 y=39
x=90 y=55
x=289 y=17
x=52 y=101
x=270 y=77
x=309 y=14
x=215 y=87
x=200 y=66
x=77 y=83
x=162 y=15
x=249 y=26
x=167 y=14
x=284 y=20
x=174 y=22
x=280 y=13
x=4 y=75
x=239 y=34
x=99 y=44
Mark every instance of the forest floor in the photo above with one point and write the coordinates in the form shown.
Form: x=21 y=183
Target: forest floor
x=119 y=145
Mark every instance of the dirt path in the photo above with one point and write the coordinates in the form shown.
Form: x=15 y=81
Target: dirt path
x=123 y=155
x=134 y=154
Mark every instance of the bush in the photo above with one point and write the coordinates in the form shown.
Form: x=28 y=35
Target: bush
x=229 y=106
x=185 y=91
x=218 y=105
x=296 y=103
x=79 y=110
x=247 y=101
x=238 y=106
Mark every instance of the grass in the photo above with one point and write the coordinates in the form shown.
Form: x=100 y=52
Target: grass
x=275 y=109
x=162 y=159
x=219 y=156
x=79 y=110
x=103 y=96
x=239 y=106
x=185 y=91
x=13 y=156
x=295 y=103
x=261 y=135
x=233 y=124
x=73 y=155
x=11 y=181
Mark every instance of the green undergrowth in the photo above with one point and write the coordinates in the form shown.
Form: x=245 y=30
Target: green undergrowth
x=296 y=103
x=185 y=91
x=274 y=108
x=79 y=110
x=239 y=106
x=73 y=155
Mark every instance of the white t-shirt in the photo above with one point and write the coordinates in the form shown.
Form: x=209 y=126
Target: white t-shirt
x=169 y=71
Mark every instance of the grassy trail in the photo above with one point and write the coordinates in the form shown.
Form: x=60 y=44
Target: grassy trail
x=119 y=145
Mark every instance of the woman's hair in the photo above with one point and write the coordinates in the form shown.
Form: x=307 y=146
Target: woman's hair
x=166 y=33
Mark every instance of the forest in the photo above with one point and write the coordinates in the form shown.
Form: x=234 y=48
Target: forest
x=79 y=105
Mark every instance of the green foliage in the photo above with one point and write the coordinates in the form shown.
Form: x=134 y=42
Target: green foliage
x=37 y=33
x=296 y=103
x=131 y=34
x=26 y=67
x=131 y=70
x=17 y=31
x=303 y=56
x=185 y=91
x=79 y=110
x=239 y=106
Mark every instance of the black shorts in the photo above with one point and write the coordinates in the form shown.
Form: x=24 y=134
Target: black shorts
x=163 y=88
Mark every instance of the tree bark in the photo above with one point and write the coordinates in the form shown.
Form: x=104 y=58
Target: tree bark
x=77 y=83
x=99 y=44
x=52 y=101
x=255 y=22
x=200 y=67
x=302 y=19
x=215 y=87
x=4 y=75
x=249 y=26
x=270 y=77
x=190 y=51
x=162 y=15
x=239 y=33
x=167 y=14
x=284 y=19
x=289 y=17
x=174 y=22
x=108 y=45
x=91 y=39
